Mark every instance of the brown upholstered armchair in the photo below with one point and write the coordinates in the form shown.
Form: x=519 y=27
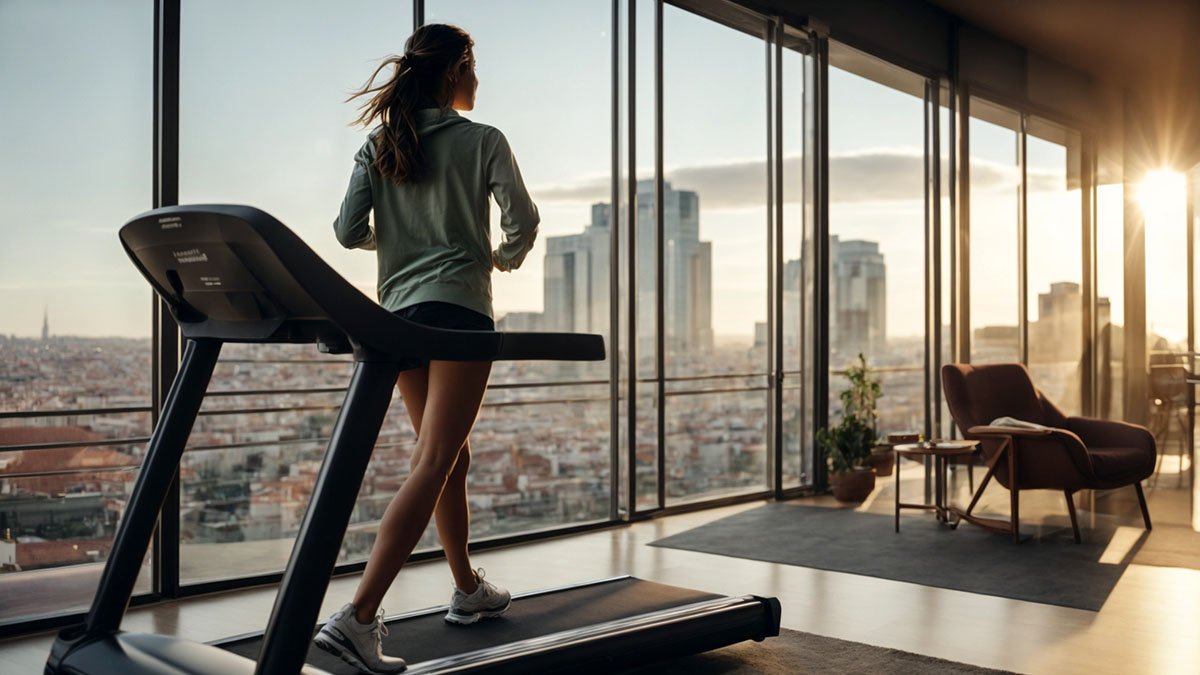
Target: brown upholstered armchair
x=1077 y=453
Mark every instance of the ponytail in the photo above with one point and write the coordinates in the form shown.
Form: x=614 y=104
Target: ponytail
x=418 y=80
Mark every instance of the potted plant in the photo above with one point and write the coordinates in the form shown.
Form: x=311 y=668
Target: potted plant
x=848 y=445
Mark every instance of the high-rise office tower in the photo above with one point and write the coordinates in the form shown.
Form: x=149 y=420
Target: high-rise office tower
x=858 y=287
x=687 y=272
x=576 y=277
x=793 y=286
x=576 y=274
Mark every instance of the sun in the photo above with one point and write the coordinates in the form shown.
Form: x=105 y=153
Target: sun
x=1162 y=197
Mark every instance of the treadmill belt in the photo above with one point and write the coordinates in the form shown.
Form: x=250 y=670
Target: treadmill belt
x=425 y=635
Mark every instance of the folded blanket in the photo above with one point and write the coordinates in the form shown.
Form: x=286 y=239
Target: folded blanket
x=1016 y=423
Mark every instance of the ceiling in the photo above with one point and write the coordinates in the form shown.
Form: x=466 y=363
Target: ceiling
x=1127 y=42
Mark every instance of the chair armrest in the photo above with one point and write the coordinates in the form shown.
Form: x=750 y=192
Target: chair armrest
x=984 y=430
x=1098 y=432
x=1033 y=445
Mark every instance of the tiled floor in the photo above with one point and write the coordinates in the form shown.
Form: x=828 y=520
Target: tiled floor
x=1148 y=625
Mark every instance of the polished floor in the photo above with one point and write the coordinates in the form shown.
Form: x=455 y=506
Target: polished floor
x=1148 y=625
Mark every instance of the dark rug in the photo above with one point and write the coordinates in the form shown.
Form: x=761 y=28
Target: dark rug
x=797 y=653
x=1049 y=568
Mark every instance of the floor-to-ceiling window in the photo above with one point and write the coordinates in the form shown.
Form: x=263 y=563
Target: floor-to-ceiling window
x=263 y=121
x=1162 y=200
x=995 y=179
x=796 y=285
x=75 y=355
x=531 y=471
x=1110 y=290
x=714 y=257
x=545 y=80
x=877 y=224
x=1054 y=250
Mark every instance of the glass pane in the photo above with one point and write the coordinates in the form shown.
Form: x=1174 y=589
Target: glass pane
x=716 y=445
x=74 y=313
x=1162 y=200
x=877 y=232
x=946 y=428
x=994 y=181
x=1054 y=230
x=1110 y=287
x=715 y=198
x=565 y=155
x=715 y=230
x=57 y=526
x=797 y=272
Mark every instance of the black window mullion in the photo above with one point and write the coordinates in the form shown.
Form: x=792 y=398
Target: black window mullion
x=165 y=332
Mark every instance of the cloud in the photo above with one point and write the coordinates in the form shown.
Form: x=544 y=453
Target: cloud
x=865 y=176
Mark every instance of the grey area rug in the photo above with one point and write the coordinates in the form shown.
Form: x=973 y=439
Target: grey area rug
x=797 y=653
x=1049 y=569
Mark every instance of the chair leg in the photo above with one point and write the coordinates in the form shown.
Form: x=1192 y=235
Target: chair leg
x=971 y=472
x=1013 y=493
x=1183 y=444
x=1071 y=510
x=1142 y=503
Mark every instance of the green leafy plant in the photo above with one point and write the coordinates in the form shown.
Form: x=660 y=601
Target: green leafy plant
x=848 y=445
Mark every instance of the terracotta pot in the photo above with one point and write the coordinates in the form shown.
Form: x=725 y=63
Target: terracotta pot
x=852 y=486
x=882 y=459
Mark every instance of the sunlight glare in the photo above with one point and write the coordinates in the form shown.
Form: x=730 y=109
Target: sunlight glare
x=1162 y=198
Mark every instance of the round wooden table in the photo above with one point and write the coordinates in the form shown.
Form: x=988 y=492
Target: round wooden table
x=941 y=451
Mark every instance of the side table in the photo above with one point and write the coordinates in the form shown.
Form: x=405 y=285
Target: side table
x=941 y=451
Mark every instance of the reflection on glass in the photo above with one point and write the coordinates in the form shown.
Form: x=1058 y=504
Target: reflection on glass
x=877 y=226
x=74 y=313
x=1054 y=253
x=714 y=240
x=994 y=181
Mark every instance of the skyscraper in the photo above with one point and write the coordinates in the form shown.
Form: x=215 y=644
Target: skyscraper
x=858 y=277
x=45 y=324
x=576 y=277
x=687 y=271
x=576 y=274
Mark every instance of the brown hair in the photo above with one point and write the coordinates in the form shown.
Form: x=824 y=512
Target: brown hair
x=430 y=54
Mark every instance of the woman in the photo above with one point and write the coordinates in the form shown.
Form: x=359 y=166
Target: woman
x=427 y=174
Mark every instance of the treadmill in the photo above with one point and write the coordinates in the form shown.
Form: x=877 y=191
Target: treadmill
x=233 y=273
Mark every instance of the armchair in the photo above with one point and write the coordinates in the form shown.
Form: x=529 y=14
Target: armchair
x=1076 y=453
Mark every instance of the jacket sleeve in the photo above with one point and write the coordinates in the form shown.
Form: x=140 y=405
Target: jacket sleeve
x=518 y=214
x=352 y=227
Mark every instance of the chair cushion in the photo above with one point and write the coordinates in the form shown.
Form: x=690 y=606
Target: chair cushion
x=1121 y=464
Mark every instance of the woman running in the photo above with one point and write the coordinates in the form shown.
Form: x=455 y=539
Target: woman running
x=427 y=173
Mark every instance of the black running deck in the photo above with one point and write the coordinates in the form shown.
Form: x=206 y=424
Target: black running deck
x=598 y=626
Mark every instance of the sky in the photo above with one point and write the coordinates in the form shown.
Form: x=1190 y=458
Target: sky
x=264 y=122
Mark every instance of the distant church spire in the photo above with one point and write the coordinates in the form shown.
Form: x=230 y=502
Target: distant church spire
x=46 y=324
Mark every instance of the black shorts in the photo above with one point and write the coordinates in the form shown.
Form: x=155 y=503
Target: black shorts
x=442 y=315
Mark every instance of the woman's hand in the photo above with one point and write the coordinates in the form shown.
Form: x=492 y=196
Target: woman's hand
x=497 y=263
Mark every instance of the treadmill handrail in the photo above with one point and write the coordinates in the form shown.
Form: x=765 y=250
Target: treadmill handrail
x=369 y=327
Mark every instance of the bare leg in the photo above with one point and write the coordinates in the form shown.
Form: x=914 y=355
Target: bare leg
x=451 y=513
x=454 y=522
x=453 y=396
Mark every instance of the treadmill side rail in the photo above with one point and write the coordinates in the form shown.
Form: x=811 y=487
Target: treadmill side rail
x=623 y=643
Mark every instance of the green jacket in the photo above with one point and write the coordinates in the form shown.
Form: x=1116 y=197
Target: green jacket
x=432 y=237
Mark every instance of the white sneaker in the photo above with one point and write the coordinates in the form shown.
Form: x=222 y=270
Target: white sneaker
x=487 y=600
x=360 y=645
